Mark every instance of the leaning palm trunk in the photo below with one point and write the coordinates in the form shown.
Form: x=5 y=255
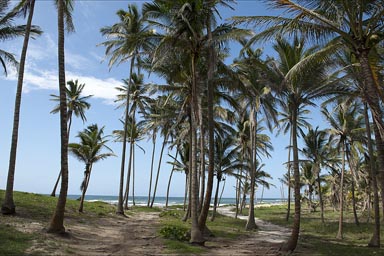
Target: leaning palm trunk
x=126 y=194
x=158 y=170
x=133 y=176
x=57 y=221
x=292 y=241
x=341 y=199
x=84 y=185
x=8 y=206
x=375 y=240
x=120 y=209
x=152 y=161
x=170 y=179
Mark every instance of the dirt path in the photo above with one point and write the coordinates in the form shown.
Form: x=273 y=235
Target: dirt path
x=266 y=241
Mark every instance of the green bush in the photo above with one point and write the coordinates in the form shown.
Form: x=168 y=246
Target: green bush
x=175 y=233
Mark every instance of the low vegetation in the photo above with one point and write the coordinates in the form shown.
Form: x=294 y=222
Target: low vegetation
x=320 y=238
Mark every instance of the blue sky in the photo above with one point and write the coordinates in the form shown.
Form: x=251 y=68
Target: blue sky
x=38 y=151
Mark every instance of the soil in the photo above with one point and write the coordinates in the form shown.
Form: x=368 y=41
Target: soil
x=137 y=235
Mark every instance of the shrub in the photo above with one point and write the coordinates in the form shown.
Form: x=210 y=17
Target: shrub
x=175 y=233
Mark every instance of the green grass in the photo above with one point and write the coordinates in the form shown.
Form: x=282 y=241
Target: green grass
x=320 y=238
x=13 y=242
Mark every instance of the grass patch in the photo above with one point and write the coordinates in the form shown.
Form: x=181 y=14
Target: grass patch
x=320 y=237
x=13 y=242
x=39 y=208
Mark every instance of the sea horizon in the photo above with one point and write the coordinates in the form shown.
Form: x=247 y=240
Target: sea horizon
x=172 y=200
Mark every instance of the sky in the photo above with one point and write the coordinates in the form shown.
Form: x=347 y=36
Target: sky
x=38 y=157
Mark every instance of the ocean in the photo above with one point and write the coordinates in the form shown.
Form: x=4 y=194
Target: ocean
x=161 y=200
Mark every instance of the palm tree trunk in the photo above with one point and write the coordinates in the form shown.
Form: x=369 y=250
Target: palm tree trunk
x=237 y=193
x=251 y=224
x=126 y=195
x=185 y=191
x=289 y=179
x=57 y=221
x=292 y=241
x=120 y=209
x=158 y=169
x=320 y=197
x=211 y=150
x=196 y=233
x=8 y=206
x=375 y=239
x=170 y=178
x=221 y=193
x=53 y=193
x=218 y=178
x=341 y=205
x=133 y=175
x=152 y=161
x=87 y=175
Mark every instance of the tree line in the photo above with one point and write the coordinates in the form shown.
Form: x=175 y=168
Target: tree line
x=214 y=115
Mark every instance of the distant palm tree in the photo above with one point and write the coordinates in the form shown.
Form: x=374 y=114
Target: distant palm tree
x=24 y=7
x=129 y=39
x=347 y=126
x=315 y=149
x=76 y=104
x=88 y=150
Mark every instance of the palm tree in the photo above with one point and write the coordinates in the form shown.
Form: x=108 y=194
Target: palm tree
x=88 y=150
x=257 y=98
x=316 y=150
x=300 y=86
x=76 y=104
x=130 y=38
x=344 y=25
x=347 y=127
x=9 y=31
x=25 y=7
x=64 y=10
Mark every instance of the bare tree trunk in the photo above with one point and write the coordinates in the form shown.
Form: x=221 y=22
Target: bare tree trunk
x=57 y=222
x=8 y=206
x=292 y=241
x=158 y=169
x=289 y=179
x=126 y=195
x=251 y=224
x=216 y=197
x=152 y=161
x=341 y=204
x=133 y=174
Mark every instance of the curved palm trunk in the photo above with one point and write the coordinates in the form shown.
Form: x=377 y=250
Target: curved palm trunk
x=375 y=239
x=292 y=241
x=120 y=209
x=352 y=166
x=150 y=177
x=87 y=175
x=218 y=178
x=8 y=206
x=341 y=205
x=57 y=221
x=169 y=181
x=221 y=194
x=158 y=169
x=251 y=224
